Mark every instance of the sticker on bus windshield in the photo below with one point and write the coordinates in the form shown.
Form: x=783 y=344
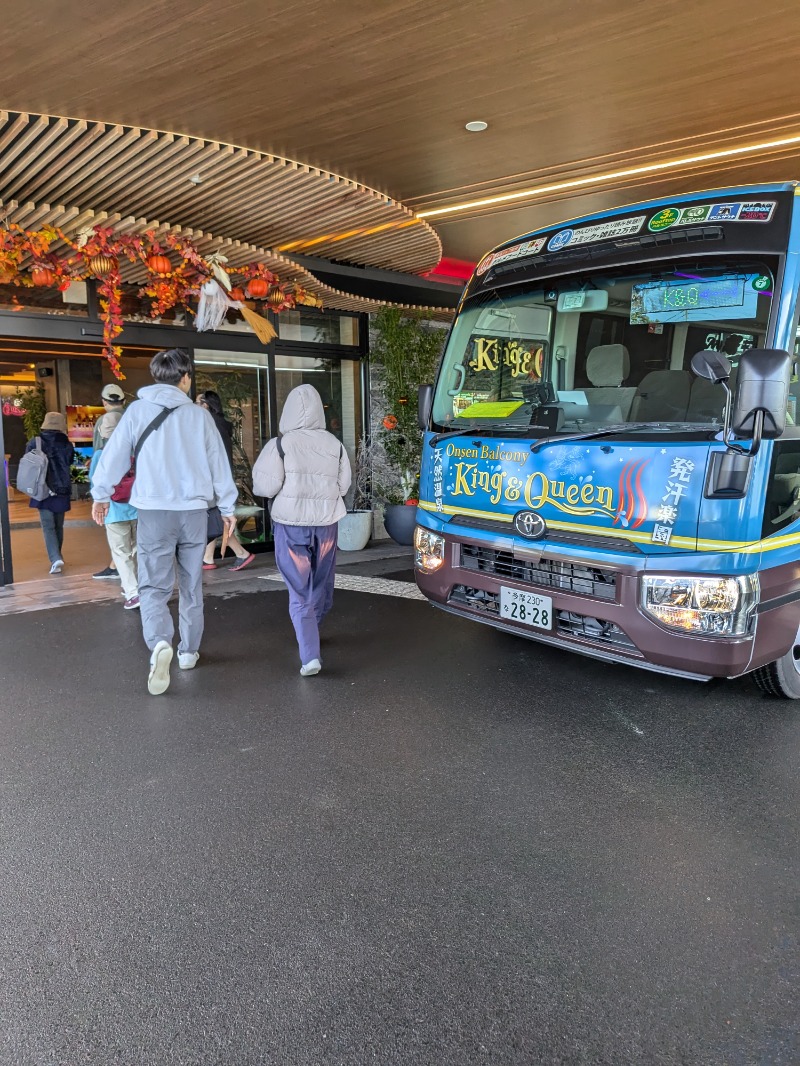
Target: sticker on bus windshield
x=514 y=252
x=618 y=227
x=750 y=211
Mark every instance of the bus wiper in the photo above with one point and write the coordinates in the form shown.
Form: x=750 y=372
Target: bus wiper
x=606 y=431
x=521 y=429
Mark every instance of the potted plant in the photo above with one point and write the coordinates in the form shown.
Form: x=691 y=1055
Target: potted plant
x=355 y=529
x=404 y=350
x=32 y=401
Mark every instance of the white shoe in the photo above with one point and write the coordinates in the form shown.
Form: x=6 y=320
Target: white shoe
x=187 y=660
x=57 y=566
x=309 y=669
x=160 y=660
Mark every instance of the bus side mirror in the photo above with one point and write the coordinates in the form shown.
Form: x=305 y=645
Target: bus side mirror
x=712 y=365
x=762 y=394
x=424 y=405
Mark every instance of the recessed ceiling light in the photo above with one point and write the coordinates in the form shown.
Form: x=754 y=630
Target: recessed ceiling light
x=476 y=127
x=196 y=179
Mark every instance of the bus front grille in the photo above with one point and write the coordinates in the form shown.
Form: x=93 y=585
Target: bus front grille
x=580 y=580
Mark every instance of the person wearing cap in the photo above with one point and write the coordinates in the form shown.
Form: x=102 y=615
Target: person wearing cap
x=52 y=509
x=120 y=526
x=114 y=403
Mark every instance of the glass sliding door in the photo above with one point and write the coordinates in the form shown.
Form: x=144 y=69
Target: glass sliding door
x=242 y=382
x=338 y=381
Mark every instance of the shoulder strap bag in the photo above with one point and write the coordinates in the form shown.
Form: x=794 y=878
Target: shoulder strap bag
x=122 y=493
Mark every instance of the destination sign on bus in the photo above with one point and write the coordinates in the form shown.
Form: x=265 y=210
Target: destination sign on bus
x=690 y=299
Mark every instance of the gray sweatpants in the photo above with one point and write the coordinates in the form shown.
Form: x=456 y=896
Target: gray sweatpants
x=168 y=540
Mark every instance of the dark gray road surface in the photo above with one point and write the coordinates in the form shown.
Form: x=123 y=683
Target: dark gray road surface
x=452 y=847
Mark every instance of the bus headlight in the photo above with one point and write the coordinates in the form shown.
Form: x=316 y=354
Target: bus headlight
x=429 y=550
x=709 y=606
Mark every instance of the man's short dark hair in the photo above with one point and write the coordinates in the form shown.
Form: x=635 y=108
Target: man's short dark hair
x=169 y=366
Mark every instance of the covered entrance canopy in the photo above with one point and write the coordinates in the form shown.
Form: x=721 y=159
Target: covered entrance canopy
x=580 y=98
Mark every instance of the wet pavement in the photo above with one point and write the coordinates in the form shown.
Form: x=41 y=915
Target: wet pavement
x=451 y=847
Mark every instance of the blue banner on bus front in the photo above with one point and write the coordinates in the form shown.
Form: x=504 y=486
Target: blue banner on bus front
x=647 y=492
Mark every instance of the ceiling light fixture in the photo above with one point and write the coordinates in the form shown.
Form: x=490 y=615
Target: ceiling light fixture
x=476 y=127
x=598 y=179
x=196 y=179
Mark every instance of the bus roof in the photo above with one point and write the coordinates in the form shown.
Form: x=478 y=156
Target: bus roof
x=731 y=192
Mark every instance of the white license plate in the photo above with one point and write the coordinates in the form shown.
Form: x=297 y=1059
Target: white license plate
x=529 y=608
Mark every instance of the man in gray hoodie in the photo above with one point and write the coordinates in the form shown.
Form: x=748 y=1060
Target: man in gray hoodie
x=181 y=471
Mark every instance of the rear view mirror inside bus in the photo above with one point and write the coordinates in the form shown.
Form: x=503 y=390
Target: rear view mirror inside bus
x=583 y=300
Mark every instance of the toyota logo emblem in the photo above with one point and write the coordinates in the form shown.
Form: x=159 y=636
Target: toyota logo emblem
x=530 y=525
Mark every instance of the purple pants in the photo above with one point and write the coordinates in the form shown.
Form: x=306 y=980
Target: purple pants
x=306 y=558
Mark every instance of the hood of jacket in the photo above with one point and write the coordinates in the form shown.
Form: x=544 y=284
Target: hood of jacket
x=303 y=410
x=163 y=395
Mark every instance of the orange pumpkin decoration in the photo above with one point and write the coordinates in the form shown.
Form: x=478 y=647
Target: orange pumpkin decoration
x=390 y=422
x=237 y=294
x=159 y=264
x=102 y=264
x=42 y=276
x=257 y=288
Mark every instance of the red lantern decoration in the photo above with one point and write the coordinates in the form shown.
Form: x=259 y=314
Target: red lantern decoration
x=237 y=294
x=257 y=288
x=390 y=422
x=42 y=276
x=159 y=264
x=102 y=264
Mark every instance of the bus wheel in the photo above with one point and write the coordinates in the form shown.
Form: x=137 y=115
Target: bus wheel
x=782 y=678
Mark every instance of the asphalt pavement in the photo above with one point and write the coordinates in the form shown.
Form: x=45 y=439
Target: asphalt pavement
x=451 y=847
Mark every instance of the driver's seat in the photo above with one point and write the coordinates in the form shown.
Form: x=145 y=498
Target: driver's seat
x=662 y=396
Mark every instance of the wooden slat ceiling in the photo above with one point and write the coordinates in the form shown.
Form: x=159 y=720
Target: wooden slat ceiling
x=237 y=253
x=75 y=174
x=380 y=91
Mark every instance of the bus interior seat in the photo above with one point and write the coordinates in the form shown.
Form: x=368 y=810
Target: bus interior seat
x=783 y=489
x=607 y=367
x=707 y=400
x=662 y=396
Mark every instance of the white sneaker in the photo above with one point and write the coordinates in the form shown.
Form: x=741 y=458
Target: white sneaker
x=160 y=660
x=187 y=660
x=309 y=669
x=57 y=566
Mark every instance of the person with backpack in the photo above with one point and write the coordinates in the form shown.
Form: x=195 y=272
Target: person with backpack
x=180 y=471
x=56 y=494
x=305 y=472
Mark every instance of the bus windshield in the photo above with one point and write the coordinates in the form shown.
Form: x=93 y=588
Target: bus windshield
x=582 y=352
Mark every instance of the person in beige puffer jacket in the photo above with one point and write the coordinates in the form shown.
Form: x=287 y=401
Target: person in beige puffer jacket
x=306 y=483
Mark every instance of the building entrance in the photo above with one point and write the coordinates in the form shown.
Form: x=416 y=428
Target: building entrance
x=252 y=381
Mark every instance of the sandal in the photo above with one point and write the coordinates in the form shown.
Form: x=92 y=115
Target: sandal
x=240 y=564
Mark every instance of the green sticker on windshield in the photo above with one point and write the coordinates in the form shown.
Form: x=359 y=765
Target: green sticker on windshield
x=664 y=219
x=491 y=409
x=762 y=282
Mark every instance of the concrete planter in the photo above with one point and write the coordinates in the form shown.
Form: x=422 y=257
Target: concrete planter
x=400 y=520
x=355 y=530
